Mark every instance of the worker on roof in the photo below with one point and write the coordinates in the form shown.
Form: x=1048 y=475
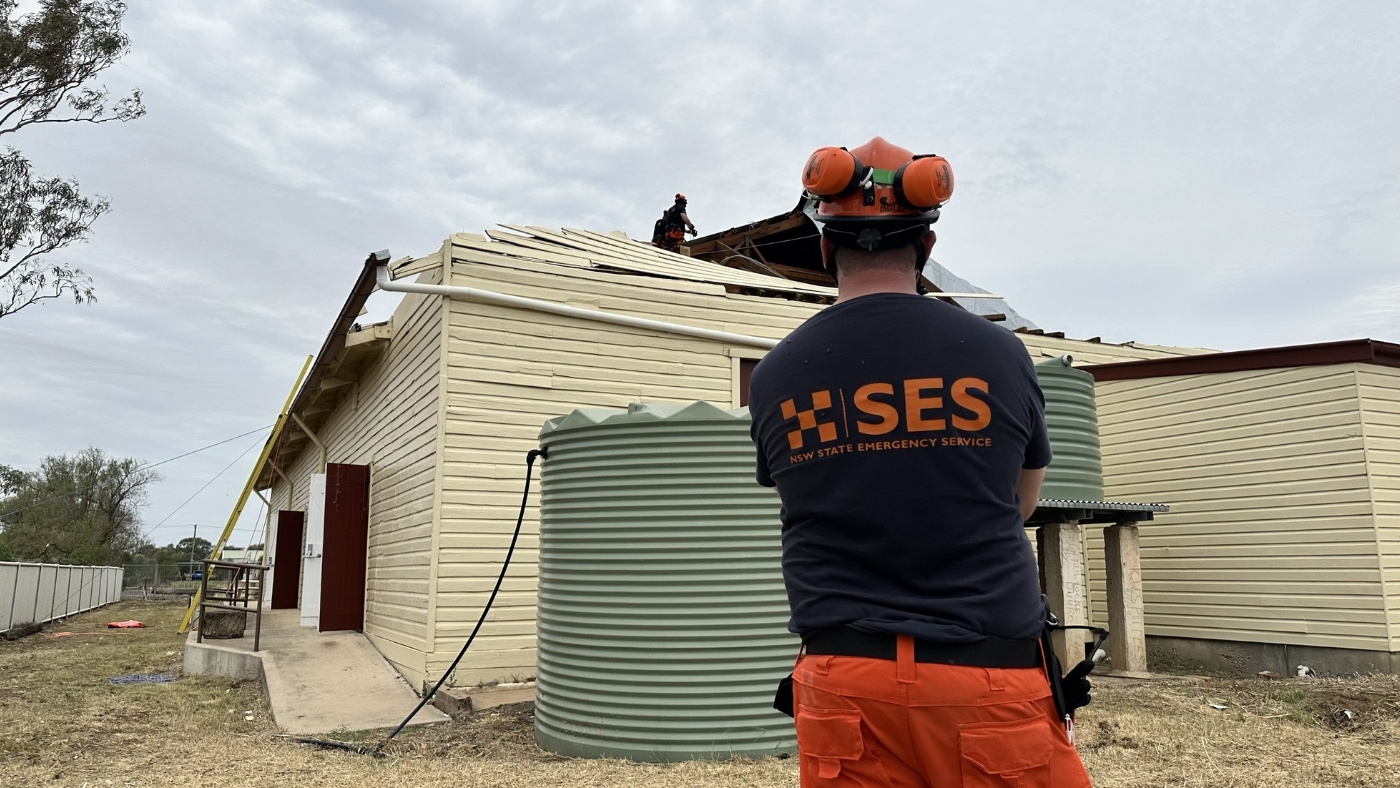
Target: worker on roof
x=670 y=229
x=907 y=440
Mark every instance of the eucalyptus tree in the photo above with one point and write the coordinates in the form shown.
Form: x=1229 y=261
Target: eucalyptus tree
x=49 y=61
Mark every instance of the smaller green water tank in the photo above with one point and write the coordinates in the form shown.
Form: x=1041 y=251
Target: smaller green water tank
x=1076 y=472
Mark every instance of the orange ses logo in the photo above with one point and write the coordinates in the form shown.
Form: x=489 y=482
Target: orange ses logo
x=807 y=419
x=879 y=411
x=920 y=404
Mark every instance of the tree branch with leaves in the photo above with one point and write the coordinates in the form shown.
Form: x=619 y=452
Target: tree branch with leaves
x=47 y=61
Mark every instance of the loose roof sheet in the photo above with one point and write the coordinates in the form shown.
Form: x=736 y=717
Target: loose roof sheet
x=609 y=252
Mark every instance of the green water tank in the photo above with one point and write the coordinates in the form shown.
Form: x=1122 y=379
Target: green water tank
x=1076 y=472
x=662 y=613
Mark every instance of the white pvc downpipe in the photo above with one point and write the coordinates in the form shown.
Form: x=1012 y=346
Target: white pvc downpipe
x=381 y=278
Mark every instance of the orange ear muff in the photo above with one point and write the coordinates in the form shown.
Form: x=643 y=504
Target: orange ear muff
x=926 y=182
x=832 y=172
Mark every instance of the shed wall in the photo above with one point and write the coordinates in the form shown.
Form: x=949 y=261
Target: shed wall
x=1379 y=392
x=1270 y=538
x=509 y=370
x=388 y=420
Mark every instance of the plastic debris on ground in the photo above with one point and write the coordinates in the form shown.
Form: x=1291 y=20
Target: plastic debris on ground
x=143 y=678
x=125 y=625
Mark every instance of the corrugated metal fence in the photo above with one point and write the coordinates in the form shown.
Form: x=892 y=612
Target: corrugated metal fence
x=44 y=592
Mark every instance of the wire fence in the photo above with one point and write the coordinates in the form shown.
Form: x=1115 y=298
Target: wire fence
x=175 y=575
x=37 y=593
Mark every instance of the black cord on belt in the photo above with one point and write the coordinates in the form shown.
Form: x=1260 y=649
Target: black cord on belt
x=377 y=750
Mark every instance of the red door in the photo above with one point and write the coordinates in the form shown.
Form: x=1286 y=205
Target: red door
x=347 y=545
x=286 y=557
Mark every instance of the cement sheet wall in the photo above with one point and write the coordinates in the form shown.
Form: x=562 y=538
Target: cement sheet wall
x=45 y=592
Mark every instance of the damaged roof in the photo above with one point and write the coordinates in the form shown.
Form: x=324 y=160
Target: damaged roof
x=350 y=349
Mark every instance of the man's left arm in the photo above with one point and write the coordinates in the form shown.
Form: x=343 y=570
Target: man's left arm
x=1038 y=454
x=1028 y=490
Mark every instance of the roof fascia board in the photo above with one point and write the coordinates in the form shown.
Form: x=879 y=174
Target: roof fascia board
x=1365 y=351
x=334 y=343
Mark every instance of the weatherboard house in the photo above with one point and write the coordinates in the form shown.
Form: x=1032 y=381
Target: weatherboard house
x=396 y=483
x=1282 y=470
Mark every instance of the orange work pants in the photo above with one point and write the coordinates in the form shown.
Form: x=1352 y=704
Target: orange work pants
x=864 y=722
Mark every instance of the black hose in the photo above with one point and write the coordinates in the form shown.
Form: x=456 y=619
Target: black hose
x=327 y=744
x=377 y=750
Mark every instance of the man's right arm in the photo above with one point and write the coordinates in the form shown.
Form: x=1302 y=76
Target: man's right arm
x=762 y=474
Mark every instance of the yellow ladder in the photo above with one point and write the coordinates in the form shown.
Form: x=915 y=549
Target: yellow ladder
x=248 y=489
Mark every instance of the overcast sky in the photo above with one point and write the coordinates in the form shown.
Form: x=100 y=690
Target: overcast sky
x=1172 y=173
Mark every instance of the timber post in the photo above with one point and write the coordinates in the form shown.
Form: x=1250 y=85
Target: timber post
x=1062 y=570
x=1127 y=646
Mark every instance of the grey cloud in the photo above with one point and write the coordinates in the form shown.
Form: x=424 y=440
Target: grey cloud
x=1176 y=174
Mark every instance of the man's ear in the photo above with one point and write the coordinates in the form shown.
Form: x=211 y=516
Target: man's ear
x=926 y=243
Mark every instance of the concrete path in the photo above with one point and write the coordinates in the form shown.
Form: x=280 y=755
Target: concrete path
x=320 y=682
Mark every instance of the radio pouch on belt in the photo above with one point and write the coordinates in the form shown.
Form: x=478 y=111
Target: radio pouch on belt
x=782 y=700
x=1053 y=671
x=1069 y=691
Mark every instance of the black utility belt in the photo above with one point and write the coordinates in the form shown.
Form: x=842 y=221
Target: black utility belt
x=986 y=653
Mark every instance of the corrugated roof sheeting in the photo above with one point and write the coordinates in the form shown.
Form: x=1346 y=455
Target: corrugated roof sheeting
x=586 y=248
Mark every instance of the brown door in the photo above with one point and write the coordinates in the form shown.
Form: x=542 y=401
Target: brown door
x=347 y=545
x=746 y=366
x=286 y=557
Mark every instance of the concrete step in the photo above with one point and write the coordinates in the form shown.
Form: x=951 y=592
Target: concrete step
x=316 y=681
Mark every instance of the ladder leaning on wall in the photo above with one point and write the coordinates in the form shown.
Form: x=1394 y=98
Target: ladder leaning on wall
x=248 y=489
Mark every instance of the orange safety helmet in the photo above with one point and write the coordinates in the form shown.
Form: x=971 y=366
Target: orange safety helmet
x=878 y=196
x=680 y=197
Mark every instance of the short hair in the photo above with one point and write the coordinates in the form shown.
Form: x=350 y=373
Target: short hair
x=900 y=258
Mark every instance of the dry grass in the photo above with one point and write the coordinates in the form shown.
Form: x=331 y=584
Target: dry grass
x=1271 y=733
x=62 y=723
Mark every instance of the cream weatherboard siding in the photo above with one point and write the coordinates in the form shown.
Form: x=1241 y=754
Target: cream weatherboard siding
x=1379 y=391
x=1270 y=537
x=509 y=370
x=389 y=421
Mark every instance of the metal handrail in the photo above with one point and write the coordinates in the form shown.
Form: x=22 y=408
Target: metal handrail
x=233 y=594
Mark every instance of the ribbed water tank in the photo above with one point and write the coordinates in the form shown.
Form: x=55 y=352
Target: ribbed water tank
x=662 y=613
x=1076 y=472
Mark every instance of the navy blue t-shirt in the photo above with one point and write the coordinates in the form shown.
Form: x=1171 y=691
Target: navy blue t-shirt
x=895 y=428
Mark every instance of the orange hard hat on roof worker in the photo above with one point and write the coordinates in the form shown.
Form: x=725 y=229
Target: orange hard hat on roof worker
x=680 y=197
x=876 y=196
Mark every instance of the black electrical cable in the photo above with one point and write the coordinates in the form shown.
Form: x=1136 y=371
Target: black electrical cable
x=377 y=750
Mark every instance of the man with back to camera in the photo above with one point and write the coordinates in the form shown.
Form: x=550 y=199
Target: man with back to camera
x=907 y=440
